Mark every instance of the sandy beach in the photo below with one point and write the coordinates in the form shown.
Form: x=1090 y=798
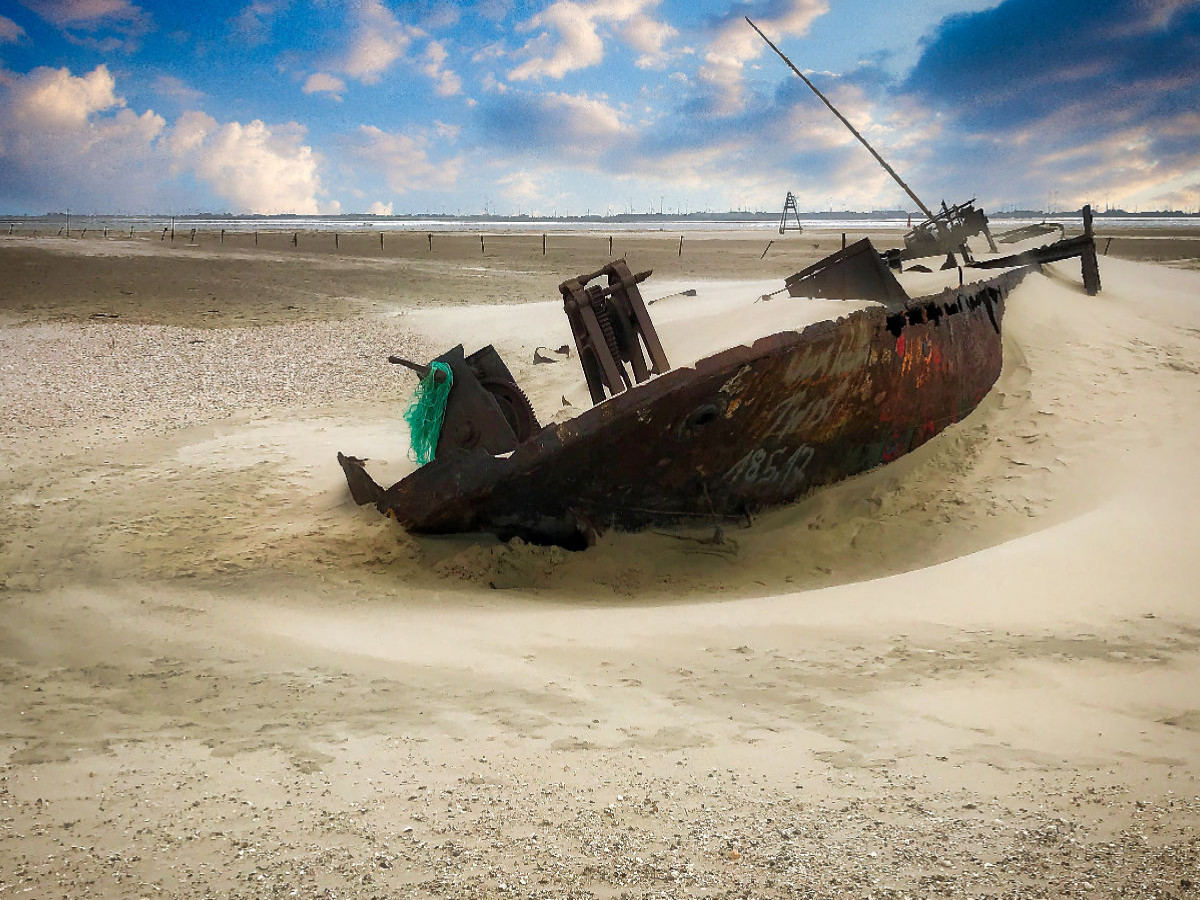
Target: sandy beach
x=974 y=672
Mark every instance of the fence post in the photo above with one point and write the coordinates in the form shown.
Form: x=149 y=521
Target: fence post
x=681 y=245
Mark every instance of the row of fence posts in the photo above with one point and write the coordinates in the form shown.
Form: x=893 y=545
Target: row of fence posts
x=170 y=229
x=337 y=241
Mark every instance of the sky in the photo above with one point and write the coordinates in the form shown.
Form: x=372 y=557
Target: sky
x=593 y=107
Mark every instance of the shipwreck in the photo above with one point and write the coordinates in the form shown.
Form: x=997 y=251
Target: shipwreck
x=744 y=429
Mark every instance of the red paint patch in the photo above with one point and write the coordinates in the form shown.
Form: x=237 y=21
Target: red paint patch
x=900 y=346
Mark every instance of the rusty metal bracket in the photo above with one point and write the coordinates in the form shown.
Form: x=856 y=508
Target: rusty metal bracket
x=1083 y=246
x=612 y=327
x=855 y=273
x=486 y=408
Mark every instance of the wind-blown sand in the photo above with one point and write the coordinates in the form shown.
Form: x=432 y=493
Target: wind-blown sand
x=973 y=672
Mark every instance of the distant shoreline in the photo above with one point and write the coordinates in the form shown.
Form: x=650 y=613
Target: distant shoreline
x=757 y=222
x=694 y=218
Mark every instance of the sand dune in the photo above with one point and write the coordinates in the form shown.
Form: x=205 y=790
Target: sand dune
x=973 y=672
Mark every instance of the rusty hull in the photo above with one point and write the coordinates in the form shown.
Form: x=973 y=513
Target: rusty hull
x=745 y=429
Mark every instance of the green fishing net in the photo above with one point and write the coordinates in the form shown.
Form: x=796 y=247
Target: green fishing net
x=424 y=416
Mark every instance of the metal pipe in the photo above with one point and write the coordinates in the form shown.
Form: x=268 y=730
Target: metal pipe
x=917 y=200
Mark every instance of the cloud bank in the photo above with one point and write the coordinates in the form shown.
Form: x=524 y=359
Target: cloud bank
x=580 y=104
x=73 y=140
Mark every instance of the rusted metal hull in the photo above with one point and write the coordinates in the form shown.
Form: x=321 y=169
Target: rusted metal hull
x=745 y=429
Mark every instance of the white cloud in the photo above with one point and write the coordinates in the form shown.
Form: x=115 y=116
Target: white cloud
x=379 y=40
x=522 y=188
x=85 y=21
x=580 y=44
x=446 y=83
x=735 y=43
x=10 y=31
x=54 y=99
x=177 y=89
x=257 y=167
x=80 y=12
x=320 y=82
x=585 y=119
x=189 y=133
x=648 y=36
x=252 y=26
x=380 y=209
x=495 y=10
x=403 y=160
x=443 y=15
x=566 y=126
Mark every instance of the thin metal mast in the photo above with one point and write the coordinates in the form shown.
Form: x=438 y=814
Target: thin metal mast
x=900 y=181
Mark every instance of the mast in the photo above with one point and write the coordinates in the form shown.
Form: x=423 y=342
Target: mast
x=917 y=200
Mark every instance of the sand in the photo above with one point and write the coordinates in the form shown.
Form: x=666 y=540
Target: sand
x=973 y=672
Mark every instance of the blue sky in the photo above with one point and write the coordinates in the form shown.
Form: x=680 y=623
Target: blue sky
x=593 y=106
